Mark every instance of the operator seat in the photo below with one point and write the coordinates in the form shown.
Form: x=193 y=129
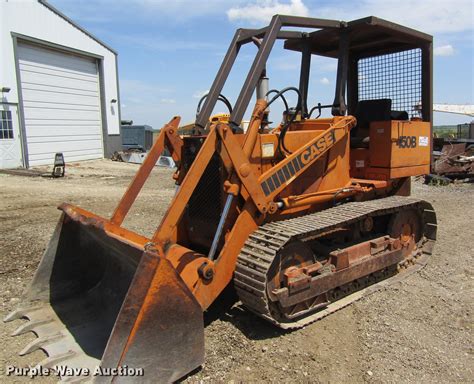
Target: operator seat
x=366 y=112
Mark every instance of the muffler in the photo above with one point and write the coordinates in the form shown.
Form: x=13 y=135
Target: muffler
x=106 y=306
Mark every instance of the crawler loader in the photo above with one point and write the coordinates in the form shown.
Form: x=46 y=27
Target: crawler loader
x=301 y=217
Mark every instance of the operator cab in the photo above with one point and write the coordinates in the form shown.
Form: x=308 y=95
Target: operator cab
x=384 y=80
x=384 y=67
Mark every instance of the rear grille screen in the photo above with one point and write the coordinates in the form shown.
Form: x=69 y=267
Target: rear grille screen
x=395 y=76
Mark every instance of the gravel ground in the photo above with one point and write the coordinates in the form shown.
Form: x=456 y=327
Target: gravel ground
x=417 y=331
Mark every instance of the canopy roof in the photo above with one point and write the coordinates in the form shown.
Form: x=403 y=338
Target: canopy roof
x=368 y=37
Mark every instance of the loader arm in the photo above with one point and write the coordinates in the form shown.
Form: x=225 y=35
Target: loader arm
x=166 y=233
x=263 y=189
x=167 y=138
x=253 y=190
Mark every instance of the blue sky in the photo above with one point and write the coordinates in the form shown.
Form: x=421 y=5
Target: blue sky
x=169 y=51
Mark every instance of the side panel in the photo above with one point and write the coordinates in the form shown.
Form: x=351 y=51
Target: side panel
x=401 y=147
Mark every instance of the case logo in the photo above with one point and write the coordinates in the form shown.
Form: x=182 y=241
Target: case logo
x=294 y=166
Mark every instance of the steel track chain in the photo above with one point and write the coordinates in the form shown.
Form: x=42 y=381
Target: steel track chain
x=262 y=246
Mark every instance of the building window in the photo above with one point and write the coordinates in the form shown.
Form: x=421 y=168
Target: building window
x=6 y=126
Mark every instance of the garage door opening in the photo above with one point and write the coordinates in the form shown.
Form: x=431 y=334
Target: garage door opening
x=61 y=104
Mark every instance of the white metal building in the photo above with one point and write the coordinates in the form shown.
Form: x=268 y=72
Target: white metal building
x=58 y=88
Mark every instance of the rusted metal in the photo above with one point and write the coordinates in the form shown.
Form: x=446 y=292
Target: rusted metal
x=98 y=300
x=255 y=271
x=78 y=290
x=324 y=283
x=456 y=160
x=296 y=279
x=104 y=295
x=350 y=263
x=160 y=327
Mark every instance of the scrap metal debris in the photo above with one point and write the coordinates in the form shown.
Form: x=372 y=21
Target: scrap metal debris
x=453 y=160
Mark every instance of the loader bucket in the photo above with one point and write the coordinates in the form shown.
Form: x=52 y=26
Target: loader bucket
x=100 y=303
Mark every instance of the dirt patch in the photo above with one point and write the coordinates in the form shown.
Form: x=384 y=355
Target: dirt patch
x=418 y=330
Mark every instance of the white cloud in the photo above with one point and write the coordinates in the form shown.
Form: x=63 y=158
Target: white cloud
x=180 y=9
x=438 y=16
x=262 y=10
x=444 y=50
x=100 y=11
x=323 y=64
x=324 y=81
x=135 y=88
x=431 y=16
x=199 y=94
x=287 y=66
x=157 y=43
x=147 y=102
x=284 y=60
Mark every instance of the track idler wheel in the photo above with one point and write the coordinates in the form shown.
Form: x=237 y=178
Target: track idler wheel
x=407 y=227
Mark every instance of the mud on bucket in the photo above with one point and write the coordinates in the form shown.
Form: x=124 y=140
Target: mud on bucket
x=98 y=301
